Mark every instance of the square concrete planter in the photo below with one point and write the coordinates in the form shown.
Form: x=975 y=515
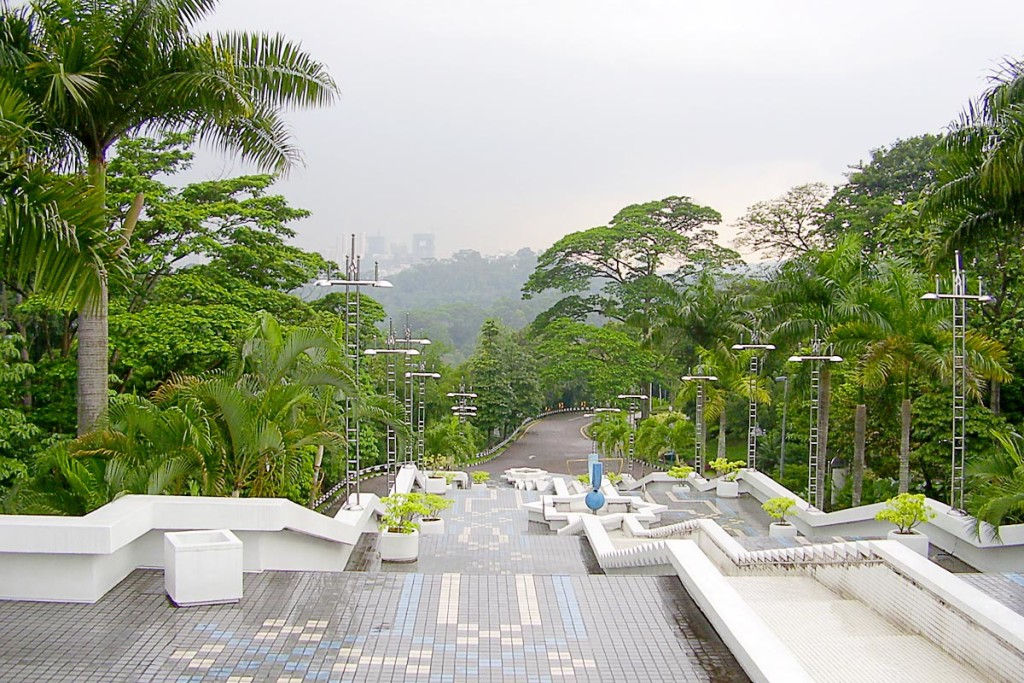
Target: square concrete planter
x=437 y=485
x=915 y=540
x=202 y=567
x=727 y=489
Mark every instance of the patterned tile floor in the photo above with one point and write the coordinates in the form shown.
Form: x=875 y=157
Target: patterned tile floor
x=491 y=600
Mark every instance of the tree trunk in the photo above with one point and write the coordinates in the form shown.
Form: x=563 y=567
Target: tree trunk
x=721 y=434
x=825 y=394
x=905 y=446
x=314 y=489
x=92 y=362
x=996 y=399
x=860 y=424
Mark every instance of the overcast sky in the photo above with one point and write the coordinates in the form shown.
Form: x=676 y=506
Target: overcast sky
x=501 y=124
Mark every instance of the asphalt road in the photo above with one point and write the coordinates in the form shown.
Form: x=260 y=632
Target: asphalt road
x=548 y=444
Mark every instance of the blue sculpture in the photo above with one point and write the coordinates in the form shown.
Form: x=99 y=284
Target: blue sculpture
x=595 y=499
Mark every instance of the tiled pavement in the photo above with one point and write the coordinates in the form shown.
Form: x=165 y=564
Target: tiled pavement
x=1006 y=588
x=483 y=605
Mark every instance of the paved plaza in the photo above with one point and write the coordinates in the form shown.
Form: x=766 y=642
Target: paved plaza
x=490 y=600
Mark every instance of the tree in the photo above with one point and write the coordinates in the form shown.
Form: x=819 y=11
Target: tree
x=664 y=432
x=504 y=377
x=624 y=258
x=787 y=226
x=100 y=71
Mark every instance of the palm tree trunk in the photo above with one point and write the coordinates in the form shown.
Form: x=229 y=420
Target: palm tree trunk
x=721 y=434
x=996 y=399
x=92 y=362
x=905 y=446
x=92 y=336
x=860 y=423
x=314 y=488
x=825 y=393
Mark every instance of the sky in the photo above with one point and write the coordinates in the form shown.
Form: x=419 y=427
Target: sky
x=501 y=124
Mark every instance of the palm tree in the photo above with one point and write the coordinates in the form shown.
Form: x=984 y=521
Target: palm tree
x=105 y=69
x=908 y=339
x=51 y=227
x=997 y=494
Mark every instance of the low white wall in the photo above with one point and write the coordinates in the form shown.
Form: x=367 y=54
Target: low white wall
x=950 y=531
x=78 y=559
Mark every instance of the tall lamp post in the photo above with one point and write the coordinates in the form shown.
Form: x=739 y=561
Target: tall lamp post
x=421 y=413
x=352 y=283
x=752 y=388
x=462 y=407
x=407 y=342
x=633 y=407
x=597 y=411
x=818 y=441
x=698 y=420
x=959 y=297
x=392 y=354
x=785 y=404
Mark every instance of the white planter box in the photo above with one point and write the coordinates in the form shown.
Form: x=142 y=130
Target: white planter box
x=202 y=567
x=727 y=489
x=479 y=487
x=680 y=490
x=437 y=485
x=779 y=530
x=431 y=527
x=915 y=540
x=395 y=547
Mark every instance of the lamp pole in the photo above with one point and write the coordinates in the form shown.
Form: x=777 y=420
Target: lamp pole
x=352 y=283
x=698 y=421
x=755 y=347
x=407 y=342
x=785 y=404
x=633 y=406
x=959 y=297
x=818 y=442
x=421 y=414
x=391 y=353
x=462 y=407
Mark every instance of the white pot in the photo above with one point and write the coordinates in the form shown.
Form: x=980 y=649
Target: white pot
x=781 y=530
x=915 y=540
x=479 y=486
x=395 y=547
x=437 y=485
x=431 y=526
x=680 y=490
x=727 y=489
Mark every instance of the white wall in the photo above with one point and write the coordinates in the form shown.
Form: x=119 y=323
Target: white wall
x=78 y=559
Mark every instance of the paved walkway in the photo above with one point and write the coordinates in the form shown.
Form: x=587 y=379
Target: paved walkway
x=491 y=600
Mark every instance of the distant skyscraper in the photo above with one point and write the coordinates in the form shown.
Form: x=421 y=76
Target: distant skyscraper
x=376 y=246
x=422 y=246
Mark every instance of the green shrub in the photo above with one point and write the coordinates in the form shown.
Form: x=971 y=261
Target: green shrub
x=401 y=510
x=680 y=472
x=778 y=508
x=727 y=468
x=480 y=477
x=906 y=511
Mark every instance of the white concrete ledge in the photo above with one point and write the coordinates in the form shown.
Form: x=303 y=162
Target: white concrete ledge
x=78 y=559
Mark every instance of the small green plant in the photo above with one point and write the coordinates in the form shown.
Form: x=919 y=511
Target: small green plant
x=680 y=472
x=481 y=477
x=450 y=477
x=435 y=462
x=401 y=510
x=906 y=511
x=778 y=508
x=433 y=504
x=583 y=479
x=614 y=477
x=727 y=468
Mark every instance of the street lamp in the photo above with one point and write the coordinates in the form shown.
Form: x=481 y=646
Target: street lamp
x=408 y=343
x=391 y=353
x=462 y=407
x=698 y=422
x=785 y=404
x=352 y=282
x=633 y=406
x=818 y=441
x=752 y=406
x=959 y=297
x=700 y=435
x=421 y=413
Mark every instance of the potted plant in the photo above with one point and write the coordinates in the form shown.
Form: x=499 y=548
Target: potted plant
x=480 y=479
x=449 y=480
x=399 y=529
x=777 y=509
x=727 y=470
x=614 y=478
x=436 y=482
x=906 y=511
x=680 y=472
x=430 y=522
